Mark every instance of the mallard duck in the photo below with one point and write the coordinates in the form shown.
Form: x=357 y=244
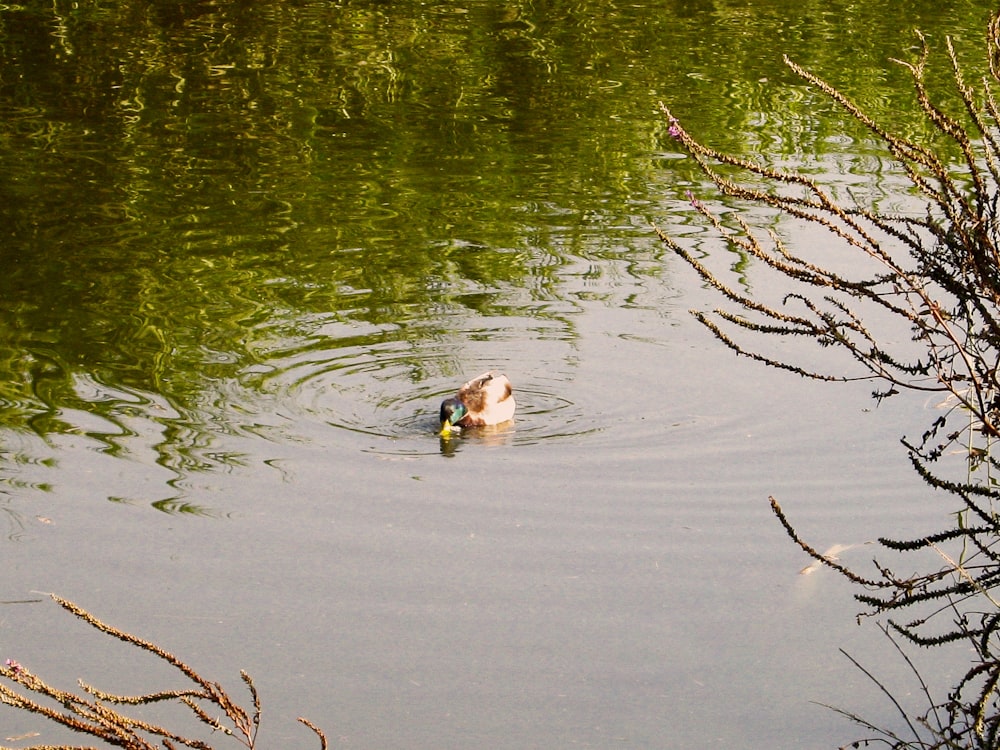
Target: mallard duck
x=485 y=400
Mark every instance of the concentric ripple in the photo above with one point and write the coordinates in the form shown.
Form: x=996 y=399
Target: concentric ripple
x=390 y=389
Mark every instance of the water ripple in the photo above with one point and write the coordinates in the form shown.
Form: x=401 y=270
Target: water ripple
x=387 y=390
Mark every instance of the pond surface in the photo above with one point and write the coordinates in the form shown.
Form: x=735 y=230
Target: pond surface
x=247 y=250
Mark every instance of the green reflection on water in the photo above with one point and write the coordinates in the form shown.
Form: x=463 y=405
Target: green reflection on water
x=206 y=193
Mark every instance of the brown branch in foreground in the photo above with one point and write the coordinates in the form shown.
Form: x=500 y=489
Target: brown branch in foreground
x=917 y=306
x=89 y=714
x=317 y=730
x=818 y=556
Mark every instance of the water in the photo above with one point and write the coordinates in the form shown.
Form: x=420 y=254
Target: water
x=247 y=251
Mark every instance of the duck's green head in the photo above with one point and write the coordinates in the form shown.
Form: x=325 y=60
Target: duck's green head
x=452 y=410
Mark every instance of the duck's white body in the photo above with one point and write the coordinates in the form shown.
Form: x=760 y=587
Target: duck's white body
x=487 y=399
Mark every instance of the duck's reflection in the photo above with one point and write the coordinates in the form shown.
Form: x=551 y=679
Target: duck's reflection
x=489 y=436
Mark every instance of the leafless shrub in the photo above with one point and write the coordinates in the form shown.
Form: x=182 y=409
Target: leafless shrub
x=94 y=712
x=936 y=273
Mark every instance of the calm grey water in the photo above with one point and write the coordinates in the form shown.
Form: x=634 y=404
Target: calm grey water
x=248 y=249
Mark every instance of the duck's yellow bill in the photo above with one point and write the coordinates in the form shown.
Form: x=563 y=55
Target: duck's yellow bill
x=445 y=430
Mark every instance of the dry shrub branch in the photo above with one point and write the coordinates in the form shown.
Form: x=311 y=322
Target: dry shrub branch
x=93 y=712
x=933 y=272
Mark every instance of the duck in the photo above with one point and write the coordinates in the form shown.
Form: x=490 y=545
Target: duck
x=487 y=399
